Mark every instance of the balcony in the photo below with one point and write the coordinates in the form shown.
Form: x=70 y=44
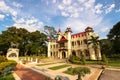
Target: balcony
x=63 y=48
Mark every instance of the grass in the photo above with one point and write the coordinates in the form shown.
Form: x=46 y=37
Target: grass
x=69 y=72
x=93 y=62
x=114 y=62
x=44 y=64
x=7 y=77
x=59 y=67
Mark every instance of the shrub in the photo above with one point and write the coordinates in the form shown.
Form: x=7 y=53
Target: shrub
x=74 y=59
x=3 y=59
x=77 y=70
x=83 y=60
x=104 y=59
x=4 y=65
x=7 y=77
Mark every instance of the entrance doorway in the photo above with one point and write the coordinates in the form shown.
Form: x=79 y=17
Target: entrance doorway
x=63 y=55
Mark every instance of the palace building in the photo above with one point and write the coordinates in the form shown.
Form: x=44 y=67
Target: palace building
x=68 y=44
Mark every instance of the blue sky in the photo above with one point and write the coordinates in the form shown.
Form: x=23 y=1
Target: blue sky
x=33 y=15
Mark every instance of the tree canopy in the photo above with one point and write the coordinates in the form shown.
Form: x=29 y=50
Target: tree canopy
x=114 y=37
x=106 y=47
x=30 y=43
x=50 y=32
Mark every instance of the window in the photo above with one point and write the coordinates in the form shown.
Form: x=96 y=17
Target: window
x=78 y=42
x=62 y=45
x=72 y=43
x=51 y=46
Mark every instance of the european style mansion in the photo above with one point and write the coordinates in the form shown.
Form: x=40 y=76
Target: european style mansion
x=68 y=44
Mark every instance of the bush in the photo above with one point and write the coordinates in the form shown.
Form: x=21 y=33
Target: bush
x=7 y=77
x=83 y=60
x=74 y=59
x=82 y=70
x=3 y=59
x=104 y=59
x=4 y=65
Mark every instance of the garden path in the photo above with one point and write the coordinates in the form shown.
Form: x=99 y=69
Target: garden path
x=27 y=74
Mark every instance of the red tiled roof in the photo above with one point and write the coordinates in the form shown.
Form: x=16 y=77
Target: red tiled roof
x=63 y=39
x=78 y=34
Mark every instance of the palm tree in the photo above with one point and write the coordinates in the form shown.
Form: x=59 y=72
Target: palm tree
x=95 y=45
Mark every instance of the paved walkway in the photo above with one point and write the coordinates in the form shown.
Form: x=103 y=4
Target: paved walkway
x=95 y=72
x=33 y=72
x=28 y=74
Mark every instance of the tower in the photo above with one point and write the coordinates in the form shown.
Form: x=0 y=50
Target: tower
x=49 y=43
x=94 y=53
x=59 y=34
x=68 y=36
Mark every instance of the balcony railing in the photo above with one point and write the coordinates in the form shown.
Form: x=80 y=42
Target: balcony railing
x=63 y=48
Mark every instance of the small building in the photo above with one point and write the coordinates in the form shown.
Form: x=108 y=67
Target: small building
x=68 y=44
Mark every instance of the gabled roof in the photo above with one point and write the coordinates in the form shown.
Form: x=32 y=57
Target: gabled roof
x=63 y=39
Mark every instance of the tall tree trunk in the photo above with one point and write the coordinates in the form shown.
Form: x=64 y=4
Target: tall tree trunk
x=26 y=52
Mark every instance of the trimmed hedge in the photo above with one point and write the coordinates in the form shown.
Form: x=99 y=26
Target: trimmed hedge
x=76 y=70
x=6 y=64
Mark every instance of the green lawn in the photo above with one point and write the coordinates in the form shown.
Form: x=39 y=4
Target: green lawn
x=7 y=77
x=94 y=62
x=114 y=62
x=59 y=67
x=44 y=64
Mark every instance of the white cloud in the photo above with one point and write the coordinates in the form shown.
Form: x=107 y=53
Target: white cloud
x=3 y=6
x=118 y=10
x=75 y=15
x=13 y=12
x=29 y=23
x=89 y=4
x=6 y=9
x=65 y=14
x=66 y=2
x=81 y=1
x=98 y=8
x=81 y=15
x=2 y=16
x=18 y=5
x=110 y=8
x=61 y=7
x=54 y=1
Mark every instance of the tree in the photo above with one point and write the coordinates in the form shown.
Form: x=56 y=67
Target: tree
x=95 y=45
x=106 y=47
x=50 y=31
x=30 y=43
x=114 y=37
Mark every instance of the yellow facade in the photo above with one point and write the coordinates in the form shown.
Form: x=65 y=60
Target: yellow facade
x=69 y=44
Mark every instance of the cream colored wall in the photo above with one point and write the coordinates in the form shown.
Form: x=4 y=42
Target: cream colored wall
x=82 y=47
